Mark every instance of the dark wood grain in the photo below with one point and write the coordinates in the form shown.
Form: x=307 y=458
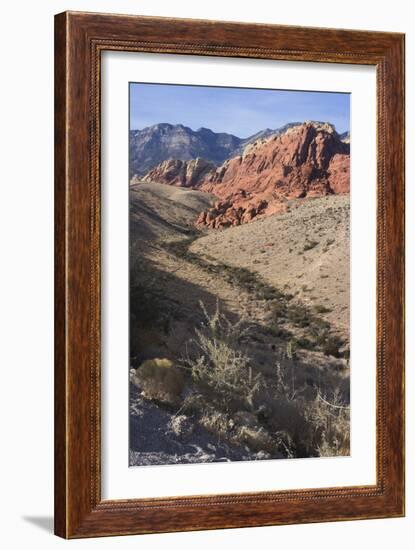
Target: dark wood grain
x=60 y=277
x=79 y=40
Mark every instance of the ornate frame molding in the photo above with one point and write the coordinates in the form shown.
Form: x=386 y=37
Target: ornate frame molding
x=79 y=40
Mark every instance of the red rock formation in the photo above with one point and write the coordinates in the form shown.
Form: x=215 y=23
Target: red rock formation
x=181 y=173
x=308 y=160
x=339 y=170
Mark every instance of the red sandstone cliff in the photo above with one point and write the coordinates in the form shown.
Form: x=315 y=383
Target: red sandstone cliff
x=308 y=160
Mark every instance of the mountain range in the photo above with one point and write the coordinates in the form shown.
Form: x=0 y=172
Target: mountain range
x=154 y=144
x=301 y=160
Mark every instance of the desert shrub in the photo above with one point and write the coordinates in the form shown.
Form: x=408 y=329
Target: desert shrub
x=238 y=430
x=283 y=411
x=317 y=332
x=284 y=443
x=319 y=308
x=305 y=343
x=278 y=331
x=332 y=345
x=290 y=352
x=279 y=310
x=244 y=278
x=216 y=422
x=219 y=362
x=181 y=426
x=241 y=276
x=319 y=325
x=267 y=293
x=160 y=380
x=312 y=427
x=256 y=438
x=299 y=315
x=309 y=245
x=285 y=420
x=332 y=422
x=180 y=248
x=250 y=281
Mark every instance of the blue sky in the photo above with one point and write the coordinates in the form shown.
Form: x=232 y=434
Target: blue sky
x=238 y=111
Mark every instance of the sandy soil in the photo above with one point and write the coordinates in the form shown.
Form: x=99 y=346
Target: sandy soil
x=304 y=251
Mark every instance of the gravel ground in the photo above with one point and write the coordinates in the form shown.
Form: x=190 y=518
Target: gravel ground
x=153 y=442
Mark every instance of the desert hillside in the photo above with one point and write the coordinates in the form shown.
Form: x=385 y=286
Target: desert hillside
x=247 y=300
x=158 y=212
x=304 y=251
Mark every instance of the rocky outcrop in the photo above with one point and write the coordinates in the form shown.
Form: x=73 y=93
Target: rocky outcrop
x=339 y=170
x=306 y=160
x=180 y=173
x=241 y=208
x=345 y=137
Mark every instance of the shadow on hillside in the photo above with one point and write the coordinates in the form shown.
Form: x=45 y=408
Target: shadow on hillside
x=164 y=311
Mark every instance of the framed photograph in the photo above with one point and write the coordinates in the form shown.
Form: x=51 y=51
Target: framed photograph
x=229 y=277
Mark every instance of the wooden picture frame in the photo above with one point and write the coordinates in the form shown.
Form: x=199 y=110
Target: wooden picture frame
x=79 y=40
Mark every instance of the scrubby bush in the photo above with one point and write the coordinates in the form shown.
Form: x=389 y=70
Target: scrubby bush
x=305 y=343
x=332 y=345
x=332 y=421
x=239 y=430
x=257 y=439
x=286 y=416
x=320 y=308
x=309 y=245
x=219 y=362
x=216 y=422
x=299 y=315
x=181 y=426
x=313 y=427
x=160 y=380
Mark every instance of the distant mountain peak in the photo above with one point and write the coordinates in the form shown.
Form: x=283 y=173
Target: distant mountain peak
x=158 y=126
x=163 y=141
x=155 y=144
x=204 y=129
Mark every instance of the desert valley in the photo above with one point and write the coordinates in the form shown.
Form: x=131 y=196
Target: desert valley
x=239 y=294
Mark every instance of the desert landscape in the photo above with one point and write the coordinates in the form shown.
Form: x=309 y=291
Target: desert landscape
x=239 y=294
